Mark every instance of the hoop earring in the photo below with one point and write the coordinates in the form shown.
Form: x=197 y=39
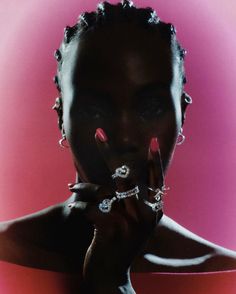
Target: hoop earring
x=181 y=137
x=62 y=140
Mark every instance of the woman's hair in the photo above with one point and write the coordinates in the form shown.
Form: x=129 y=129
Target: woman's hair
x=106 y=15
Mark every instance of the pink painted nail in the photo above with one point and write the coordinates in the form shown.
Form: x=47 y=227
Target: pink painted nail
x=154 y=145
x=101 y=135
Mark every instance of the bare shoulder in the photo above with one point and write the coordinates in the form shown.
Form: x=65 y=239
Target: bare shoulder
x=173 y=248
x=47 y=239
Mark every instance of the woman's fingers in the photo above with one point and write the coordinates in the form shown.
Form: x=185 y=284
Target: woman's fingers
x=122 y=174
x=88 y=192
x=93 y=200
x=113 y=162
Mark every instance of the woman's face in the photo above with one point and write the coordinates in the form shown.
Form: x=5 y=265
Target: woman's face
x=126 y=81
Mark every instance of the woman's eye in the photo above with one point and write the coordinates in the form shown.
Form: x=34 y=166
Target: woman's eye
x=91 y=112
x=152 y=110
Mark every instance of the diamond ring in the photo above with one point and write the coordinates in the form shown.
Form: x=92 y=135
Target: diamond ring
x=106 y=205
x=129 y=193
x=121 y=172
x=156 y=206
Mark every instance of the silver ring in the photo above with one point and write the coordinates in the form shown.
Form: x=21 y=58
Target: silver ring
x=188 y=99
x=156 y=206
x=129 y=193
x=121 y=172
x=106 y=205
x=159 y=193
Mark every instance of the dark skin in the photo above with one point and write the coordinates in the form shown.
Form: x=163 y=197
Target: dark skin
x=131 y=87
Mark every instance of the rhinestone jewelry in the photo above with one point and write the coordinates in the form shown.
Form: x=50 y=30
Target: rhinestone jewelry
x=129 y=193
x=156 y=206
x=121 y=172
x=106 y=205
x=159 y=193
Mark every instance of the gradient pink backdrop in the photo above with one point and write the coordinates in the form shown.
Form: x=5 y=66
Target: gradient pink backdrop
x=35 y=171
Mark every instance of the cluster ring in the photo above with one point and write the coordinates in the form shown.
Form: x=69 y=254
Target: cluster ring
x=129 y=193
x=121 y=172
x=106 y=205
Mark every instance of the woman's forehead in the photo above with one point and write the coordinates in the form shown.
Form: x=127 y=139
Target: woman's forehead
x=102 y=57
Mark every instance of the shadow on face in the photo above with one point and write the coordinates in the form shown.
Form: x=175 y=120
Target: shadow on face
x=127 y=81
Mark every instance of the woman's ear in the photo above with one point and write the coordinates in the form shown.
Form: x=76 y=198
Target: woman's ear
x=185 y=101
x=58 y=106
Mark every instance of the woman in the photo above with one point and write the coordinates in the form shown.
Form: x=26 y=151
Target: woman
x=122 y=102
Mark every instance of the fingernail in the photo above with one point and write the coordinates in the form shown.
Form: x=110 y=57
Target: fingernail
x=70 y=185
x=101 y=135
x=154 y=145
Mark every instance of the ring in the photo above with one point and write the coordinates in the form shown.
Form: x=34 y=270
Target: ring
x=121 y=172
x=156 y=206
x=129 y=193
x=106 y=205
x=159 y=193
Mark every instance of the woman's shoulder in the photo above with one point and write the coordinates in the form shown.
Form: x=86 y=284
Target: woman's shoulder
x=173 y=248
x=44 y=239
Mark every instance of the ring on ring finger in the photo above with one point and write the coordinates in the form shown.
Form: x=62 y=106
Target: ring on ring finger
x=106 y=204
x=156 y=206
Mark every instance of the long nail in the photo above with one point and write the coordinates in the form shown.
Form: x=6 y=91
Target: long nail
x=70 y=185
x=101 y=135
x=154 y=145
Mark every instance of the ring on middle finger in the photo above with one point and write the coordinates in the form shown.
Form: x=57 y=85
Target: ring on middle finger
x=121 y=172
x=128 y=193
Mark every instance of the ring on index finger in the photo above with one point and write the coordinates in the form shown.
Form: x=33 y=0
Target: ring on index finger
x=121 y=172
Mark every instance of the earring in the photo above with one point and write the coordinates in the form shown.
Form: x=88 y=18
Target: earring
x=181 y=137
x=63 y=139
x=187 y=98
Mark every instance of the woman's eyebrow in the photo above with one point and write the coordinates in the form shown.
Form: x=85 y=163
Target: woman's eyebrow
x=152 y=87
x=94 y=93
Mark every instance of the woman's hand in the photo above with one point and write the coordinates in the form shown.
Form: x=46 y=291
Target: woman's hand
x=122 y=232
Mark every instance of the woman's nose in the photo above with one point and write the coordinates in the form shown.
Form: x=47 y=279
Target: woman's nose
x=126 y=137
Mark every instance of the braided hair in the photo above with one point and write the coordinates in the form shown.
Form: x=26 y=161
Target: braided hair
x=105 y=15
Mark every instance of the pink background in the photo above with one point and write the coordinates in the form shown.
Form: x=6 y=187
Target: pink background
x=35 y=171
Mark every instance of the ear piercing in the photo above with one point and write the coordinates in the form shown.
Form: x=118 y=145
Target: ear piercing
x=57 y=55
x=188 y=99
x=181 y=137
x=61 y=141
